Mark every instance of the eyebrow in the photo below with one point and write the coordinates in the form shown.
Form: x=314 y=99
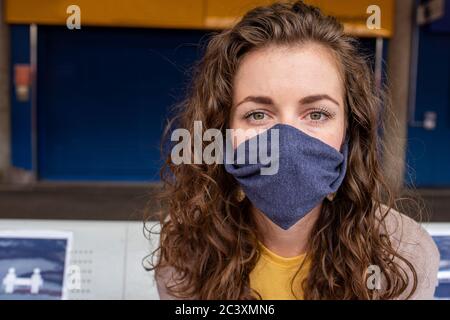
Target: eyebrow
x=304 y=100
x=256 y=99
x=318 y=97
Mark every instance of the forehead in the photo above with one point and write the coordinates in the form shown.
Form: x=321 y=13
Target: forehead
x=304 y=69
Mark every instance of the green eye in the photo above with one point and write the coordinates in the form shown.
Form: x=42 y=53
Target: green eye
x=315 y=116
x=258 y=116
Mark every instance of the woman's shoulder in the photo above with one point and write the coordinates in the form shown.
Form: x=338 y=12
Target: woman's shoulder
x=414 y=243
x=164 y=277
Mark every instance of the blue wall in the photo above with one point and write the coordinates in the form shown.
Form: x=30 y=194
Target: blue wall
x=103 y=97
x=428 y=153
x=21 y=155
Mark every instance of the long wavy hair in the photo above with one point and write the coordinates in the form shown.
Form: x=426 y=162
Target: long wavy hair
x=208 y=236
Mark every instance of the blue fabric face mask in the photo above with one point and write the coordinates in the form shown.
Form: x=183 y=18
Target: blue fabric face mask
x=307 y=171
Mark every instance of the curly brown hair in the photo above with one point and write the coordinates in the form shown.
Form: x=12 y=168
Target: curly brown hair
x=208 y=236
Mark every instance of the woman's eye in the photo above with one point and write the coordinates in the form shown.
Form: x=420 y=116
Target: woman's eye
x=316 y=116
x=256 y=116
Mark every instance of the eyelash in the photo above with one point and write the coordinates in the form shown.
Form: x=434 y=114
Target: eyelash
x=322 y=110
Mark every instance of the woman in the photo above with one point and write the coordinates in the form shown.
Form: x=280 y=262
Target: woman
x=324 y=226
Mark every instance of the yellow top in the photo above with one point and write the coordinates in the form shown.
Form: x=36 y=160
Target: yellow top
x=272 y=275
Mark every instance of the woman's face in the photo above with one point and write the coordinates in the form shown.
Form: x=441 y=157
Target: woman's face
x=299 y=86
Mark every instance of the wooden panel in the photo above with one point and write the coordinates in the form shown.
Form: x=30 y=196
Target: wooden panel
x=131 y=13
x=352 y=13
x=214 y=14
x=223 y=14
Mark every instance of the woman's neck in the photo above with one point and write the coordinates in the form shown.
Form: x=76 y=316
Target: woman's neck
x=286 y=243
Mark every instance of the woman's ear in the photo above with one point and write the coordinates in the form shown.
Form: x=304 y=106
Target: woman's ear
x=331 y=196
x=240 y=194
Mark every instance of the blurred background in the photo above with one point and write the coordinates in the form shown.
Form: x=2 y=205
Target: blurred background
x=86 y=88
